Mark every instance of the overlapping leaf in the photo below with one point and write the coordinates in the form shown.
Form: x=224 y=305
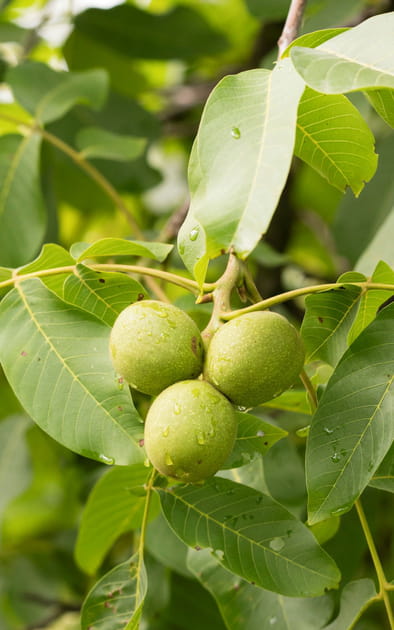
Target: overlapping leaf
x=239 y=163
x=243 y=605
x=22 y=218
x=361 y=58
x=383 y=102
x=334 y=139
x=251 y=535
x=57 y=361
x=353 y=427
x=102 y=294
x=384 y=476
x=94 y=142
x=48 y=94
x=109 y=247
x=254 y=436
x=112 y=509
x=117 y=599
x=355 y=598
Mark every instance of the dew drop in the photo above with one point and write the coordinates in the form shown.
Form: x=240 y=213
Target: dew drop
x=218 y=553
x=200 y=438
x=235 y=132
x=181 y=248
x=106 y=460
x=194 y=234
x=328 y=430
x=146 y=463
x=168 y=460
x=260 y=433
x=273 y=620
x=242 y=409
x=177 y=409
x=335 y=458
x=276 y=544
x=166 y=432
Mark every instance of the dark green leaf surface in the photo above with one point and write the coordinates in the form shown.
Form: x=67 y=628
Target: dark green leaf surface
x=102 y=294
x=239 y=163
x=334 y=139
x=355 y=598
x=329 y=316
x=15 y=470
x=94 y=142
x=251 y=535
x=57 y=361
x=109 y=247
x=22 y=219
x=255 y=436
x=384 y=476
x=244 y=606
x=363 y=57
x=111 y=510
x=49 y=95
x=117 y=599
x=270 y=9
x=166 y=547
x=51 y=256
x=353 y=427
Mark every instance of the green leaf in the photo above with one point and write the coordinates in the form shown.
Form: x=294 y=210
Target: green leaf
x=15 y=469
x=372 y=300
x=48 y=94
x=328 y=318
x=239 y=163
x=379 y=248
x=57 y=361
x=270 y=9
x=251 y=535
x=244 y=606
x=117 y=598
x=5 y=274
x=355 y=598
x=255 y=436
x=314 y=39
x=334 y=139
x=166 y=547
x=22 y=219
x=94 y=142
x=111 y=510
x=181 y=33
x=102 y=294
x=361 y=58
x=292 y=400
x=52 y=256
x=353 y=427
x=383 y=478
x=383 y=103
x=109 y=247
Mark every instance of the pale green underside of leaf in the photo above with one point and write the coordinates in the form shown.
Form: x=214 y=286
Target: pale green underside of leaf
x=239 y=163
x=109 y=247
x=334 y=139
x=94 y=142
x=110 y=511
x=383 y=103
x=51 y=256
x=328 y=318
x=359 y=59
x=15 y=469
x=49 y=95
x=117 y=599
x=353 y=427
x=379 y=248
x=355 y=598
x=384 y=476
x=102 y=294
x=57 y=361
x=22 y=218
x=251 y=535
x=247 y=607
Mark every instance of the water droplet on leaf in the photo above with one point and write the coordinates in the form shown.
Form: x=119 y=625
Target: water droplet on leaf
x=277 y=543
x=328 y=430
x=106 y=460
x=235 y=132
x=335 y=458
x=194 y=234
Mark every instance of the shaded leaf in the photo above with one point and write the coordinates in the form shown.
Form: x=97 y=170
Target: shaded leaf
x=94 y=142
x=239 y=163
x=102 y=294
x=117 y=598
x=22 y=219
x=111 y=510
x=57 y=361
x=15 y=470
x=109 y=247
x=383 y=478
x=334 y=139
x=49 y=95
x=254 y=436
x=270 y=9
x=251 y=535
x=380 y=247
x=166 y=547
x=51 y=256
x=357 y=59
x=355 y=598
x=353 y=427
x=328 y=318
x=243 y=605
x=383 y=103
x=291 y=400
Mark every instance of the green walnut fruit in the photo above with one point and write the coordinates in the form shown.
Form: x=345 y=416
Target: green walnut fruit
x=190 y=431
x=154 y=345
x=254 y=358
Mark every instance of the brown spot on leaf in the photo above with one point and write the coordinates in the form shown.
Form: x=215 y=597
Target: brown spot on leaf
x=23 y=353
x=141 y=442
x=321 y=320
x=140 y=297
x=101 y=280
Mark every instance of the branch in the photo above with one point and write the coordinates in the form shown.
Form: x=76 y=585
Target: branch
x=292 y=25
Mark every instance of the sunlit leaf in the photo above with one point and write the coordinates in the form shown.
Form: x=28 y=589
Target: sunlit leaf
x=251 y=535
x=117 y=598
x=51 y=256
x=255 y=436
x=109 y=247
x=355 y=598
x=94 y=142
x=239 y=163
x=57 y=361
x=353 y=427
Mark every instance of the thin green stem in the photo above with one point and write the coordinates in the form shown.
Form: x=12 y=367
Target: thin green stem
x=295 y=293
x=383 y=584
x=144 y=523
x=309 y=389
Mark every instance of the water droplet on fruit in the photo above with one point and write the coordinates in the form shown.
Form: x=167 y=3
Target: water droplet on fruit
x=166 y=432
x=276 y=544
x=201 y=438
x=168 y=460
x=235 y=132
x=106 y=460
x=194 y=234
x=177 y=409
